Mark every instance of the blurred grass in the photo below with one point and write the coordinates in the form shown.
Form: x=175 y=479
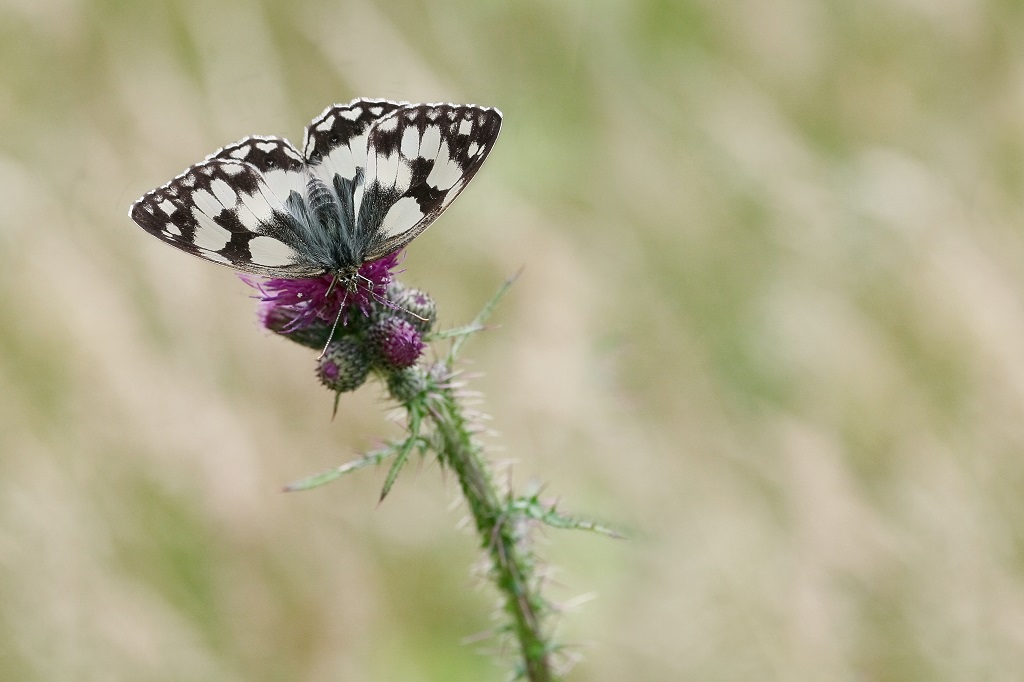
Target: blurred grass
x=770 y=321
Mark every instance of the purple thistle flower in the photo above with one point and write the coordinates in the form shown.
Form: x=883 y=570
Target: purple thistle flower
x=329 y=371
x=397 y=342
x=304 y=302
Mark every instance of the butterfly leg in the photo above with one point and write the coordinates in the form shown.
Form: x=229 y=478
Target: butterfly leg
x=341 y=311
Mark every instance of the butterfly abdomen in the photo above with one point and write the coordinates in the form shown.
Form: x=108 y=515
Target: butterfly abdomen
x=323 y=206
x=331 y=233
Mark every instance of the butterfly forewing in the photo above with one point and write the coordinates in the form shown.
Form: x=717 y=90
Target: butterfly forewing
x=418 y=160
x=335 y=144
x=223 y=210
x=283 y=168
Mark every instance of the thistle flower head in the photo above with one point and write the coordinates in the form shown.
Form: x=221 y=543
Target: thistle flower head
x=387 y=337
x=289 y=305
x=345 y=364
x=415 y=306
x=405 y=385
x=396 y=342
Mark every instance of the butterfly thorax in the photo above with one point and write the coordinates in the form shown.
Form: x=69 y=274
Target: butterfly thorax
x=329 y=231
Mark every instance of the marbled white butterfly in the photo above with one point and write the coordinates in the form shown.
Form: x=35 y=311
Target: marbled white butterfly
x=373 y=174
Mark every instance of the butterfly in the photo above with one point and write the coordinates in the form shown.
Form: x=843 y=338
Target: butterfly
x=372 y=175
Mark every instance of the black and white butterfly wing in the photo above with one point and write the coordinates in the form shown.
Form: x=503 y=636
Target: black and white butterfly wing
x=225 y=211
x=282 y=166
x=393 y=167
x=418 y=159
x=335 y=144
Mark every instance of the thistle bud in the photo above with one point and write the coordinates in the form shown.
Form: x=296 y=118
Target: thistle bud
x=396 y=342
x=405 y=385
x=412 y=305
x=345 y=365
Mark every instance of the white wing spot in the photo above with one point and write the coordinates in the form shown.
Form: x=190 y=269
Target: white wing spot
x=225 y=195
x=351 y=114
x=266 y=146
x=403 y=177
x=207 y=203
x=241 y=152
x=465 y=126
x=188 y=180
x=345 y=164
x=346 y=169
x=387 y=169
x=233 y=168
x=410 y=143
x=270 y=252
x=326 y=124
x=357 y=146
x=446 y=171
x=375 y=111
x=172 y=229
x=282 y=183
x=402 y=215
x=248 y=218
x=258 y=206
x=209 y=236
x=291 y=153
x=431 y=142
x=167 y=207
x=473 y=149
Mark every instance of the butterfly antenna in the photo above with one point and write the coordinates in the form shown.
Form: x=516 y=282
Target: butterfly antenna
x=389 y=304
x=330 y=287
x=334 y=327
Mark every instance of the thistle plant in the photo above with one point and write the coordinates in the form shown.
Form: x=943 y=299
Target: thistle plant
x=381 y=330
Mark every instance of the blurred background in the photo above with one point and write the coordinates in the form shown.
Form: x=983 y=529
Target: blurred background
x=771 y=323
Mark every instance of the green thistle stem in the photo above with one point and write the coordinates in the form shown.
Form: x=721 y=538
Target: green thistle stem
x=437 y=423
x=511 y=567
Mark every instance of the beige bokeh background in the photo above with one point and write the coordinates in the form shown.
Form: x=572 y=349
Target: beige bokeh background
x=771 y=322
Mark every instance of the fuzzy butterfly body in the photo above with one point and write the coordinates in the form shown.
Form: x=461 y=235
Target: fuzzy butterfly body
x=371 y=176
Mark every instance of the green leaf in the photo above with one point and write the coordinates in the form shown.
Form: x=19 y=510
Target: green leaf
x=404 y=450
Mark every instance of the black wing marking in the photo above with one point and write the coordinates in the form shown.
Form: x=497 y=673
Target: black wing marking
x=419 y=158
x=282 y=166
x=223 y=211
x=335 y=143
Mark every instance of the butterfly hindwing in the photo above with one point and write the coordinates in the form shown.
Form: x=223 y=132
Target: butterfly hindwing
x=222 y=210
x=419 y=158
